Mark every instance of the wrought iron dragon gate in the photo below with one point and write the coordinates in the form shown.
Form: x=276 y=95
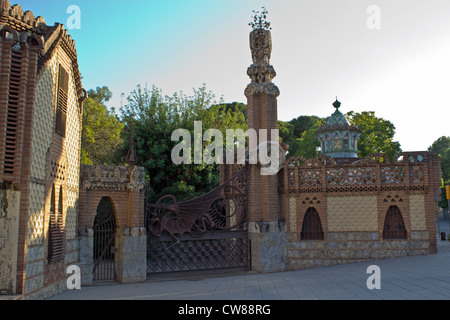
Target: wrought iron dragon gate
x=205 y=233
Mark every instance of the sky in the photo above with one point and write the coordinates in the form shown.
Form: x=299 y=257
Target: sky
x=387 y=56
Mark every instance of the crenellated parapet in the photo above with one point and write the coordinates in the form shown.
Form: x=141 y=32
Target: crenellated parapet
x=20 y=27
x=20 y=18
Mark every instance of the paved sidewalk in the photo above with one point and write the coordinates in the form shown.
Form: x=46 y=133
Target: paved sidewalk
x=415 y=277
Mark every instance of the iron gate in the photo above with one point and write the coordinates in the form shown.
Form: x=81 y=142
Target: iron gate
x=205 y=233
x=104 y=237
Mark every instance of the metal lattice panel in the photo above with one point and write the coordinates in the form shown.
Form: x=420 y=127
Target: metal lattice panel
x=202 y=254
x=208 y=232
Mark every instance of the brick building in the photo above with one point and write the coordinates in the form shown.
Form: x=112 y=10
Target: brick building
x=53 y=212
x=41 y=99
x=344 y=209
x=335 y=208
x=49 y=203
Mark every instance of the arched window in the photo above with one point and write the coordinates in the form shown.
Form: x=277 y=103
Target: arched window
x=55 y=250
x=394 y=226
x=353 y=142
x=312 y=227
x=346 y=142
x=329 y=144
x=337 y=143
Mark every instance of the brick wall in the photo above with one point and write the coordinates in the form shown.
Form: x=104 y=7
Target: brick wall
x=353 y=211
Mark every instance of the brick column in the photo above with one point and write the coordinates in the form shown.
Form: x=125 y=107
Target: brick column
x=266 y=231
x=432 y=183
x=131 y=239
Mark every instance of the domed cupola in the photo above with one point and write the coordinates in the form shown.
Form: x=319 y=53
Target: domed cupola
x=339 y=139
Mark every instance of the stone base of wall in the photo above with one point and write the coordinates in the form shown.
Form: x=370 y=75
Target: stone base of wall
x=36 y=287
x=131 y=257
x=86 y=238
x=268 y=246
x=48 y=291
x=9 y=236
x=351 y=247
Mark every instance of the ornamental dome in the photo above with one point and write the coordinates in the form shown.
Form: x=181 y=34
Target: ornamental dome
x=339 y=139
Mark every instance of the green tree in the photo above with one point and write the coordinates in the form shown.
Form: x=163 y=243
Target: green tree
x=440 y=145
x=228 y=116
x=377 y=134
x=302 y=124
x=445 y=166
x=151 y=118
x=101 y=141
x=307 y=145
x=238 y=108
x=286 y=131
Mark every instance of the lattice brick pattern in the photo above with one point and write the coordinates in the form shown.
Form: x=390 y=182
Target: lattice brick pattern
x=71 y=213
x=417 y=212
x=72 y=148
x=352 y=213
x=36 y=214
x=42 y=121
x=72 y=141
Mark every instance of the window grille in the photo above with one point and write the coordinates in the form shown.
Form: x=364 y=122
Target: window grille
x=56 y=231
x=13 y=111
x=63 y=93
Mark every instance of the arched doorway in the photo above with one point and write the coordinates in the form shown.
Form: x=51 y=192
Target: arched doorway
x=312 y=227
x=104 y=237
x=394 y=226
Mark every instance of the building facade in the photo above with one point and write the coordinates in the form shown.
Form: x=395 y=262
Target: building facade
x=41 y=99
x=55 y=213
x=336 y=208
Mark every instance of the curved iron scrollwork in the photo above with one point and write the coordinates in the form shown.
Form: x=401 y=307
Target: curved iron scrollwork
x=224 y=208
x=205 y=233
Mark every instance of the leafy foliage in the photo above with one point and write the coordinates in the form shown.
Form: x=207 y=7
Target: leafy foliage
x=101 y=140
x=377 y=134
x=302 y=124
x=306 y=143
x=445 y=166
x=151 y=118
x=440 y=145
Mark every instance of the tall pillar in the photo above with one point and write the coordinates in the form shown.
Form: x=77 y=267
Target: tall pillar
x=131 y=241
x=266 y=231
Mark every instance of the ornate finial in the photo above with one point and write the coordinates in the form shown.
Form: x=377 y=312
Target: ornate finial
x=131 y=156
x=261 y=72
x=259 y=20
x=337 y=104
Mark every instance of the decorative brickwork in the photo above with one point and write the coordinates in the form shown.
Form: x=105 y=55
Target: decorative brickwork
x=417 y=211
x=37 y=159
x=352 y=213
x=348 y=202
x=352 y=199
x=124 y=187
